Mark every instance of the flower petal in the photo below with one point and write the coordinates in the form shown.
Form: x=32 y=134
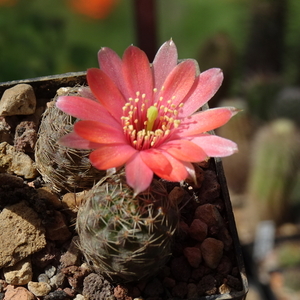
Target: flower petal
x=184 y=150
x=205 y=120
x=178 y=171
x=73 y=140
x=85 y=109
x=164 y=62
x=208 y=84
x=137 y=72
x=111 y=156
x=178 y=83
x=191 y=171
x=106 y=92
x=215 y=146
x=156 y=161
x=138 y=175
x=111 y=64
x=99 y=132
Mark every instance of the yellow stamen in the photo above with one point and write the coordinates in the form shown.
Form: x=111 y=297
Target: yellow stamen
x=152 y=113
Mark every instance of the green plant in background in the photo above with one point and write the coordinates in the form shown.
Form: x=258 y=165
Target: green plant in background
x=260 y=92
x=124 y=237
x=274 y=163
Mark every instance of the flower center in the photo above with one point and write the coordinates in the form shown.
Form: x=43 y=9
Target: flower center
x=147 y=123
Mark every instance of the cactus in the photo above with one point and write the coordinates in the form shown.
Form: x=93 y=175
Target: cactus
x=274 y=164
x=63 y=168
x=123 y=237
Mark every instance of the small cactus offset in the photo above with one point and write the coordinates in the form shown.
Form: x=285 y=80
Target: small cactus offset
x=65 y=169
x=126 y=238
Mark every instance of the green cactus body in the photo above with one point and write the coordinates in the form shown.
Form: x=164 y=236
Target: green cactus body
x=123 y=237
x=273 y=167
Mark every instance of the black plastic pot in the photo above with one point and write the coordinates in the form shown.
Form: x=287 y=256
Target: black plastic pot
x=46 y=87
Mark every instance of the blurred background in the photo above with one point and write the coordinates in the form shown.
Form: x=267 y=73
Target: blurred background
x=255 y=42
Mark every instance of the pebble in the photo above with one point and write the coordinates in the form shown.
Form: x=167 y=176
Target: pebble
x=71 y=201
x=181 y=269
x=192 y=291
x=25 y=136
x=18 y=100
x=212 y=252
x=18 y=293
x=56 y=295
x=20 y=273
x=45 y=193
x=210 y=215
x=39 y=289
x=58 y=230
x=73 y=255
x=22 y=223
x=169 y=282
x=58 y=280
x=43 y=278
x=5 y=131
x=193 y=255
x=50 y=271
x=18 y=163
x=153 y=288
x=198 y=230
x=210 y=188
x=224 y=289
x=180 y=290
x=79 y=297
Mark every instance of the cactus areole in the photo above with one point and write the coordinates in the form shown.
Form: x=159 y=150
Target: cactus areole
x=145 y=116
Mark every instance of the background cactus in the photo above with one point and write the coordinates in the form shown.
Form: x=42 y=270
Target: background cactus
x=124 y=237
x=274 y=165
x=65 y=169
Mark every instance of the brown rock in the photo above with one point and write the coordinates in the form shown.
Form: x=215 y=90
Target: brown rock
x=180 y=290
x=212 y=252
x=22 y=223
x=193 y=255
x=169 y=282
x=18 y=100
x=207 y=286
x=153 y=288
x=209 y=214
x=176 y=195
x=25 y=137
x=58 y=230
x=20 y=273
x=39 y=289
x=198 y=230
x=181 y=269
x=17 y=293
x=192 y=291
x=46 y=193
x=5 y=131
x=210 y=188
x=73 y=254
x=72 y=201
x=19 y=163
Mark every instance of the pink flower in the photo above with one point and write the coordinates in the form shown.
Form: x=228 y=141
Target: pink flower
x=145 y=116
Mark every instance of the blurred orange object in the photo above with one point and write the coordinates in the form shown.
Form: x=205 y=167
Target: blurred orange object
x=96 y=9
x=8 y=2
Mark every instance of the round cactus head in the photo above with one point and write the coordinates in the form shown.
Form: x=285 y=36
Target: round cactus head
x=123 y=237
